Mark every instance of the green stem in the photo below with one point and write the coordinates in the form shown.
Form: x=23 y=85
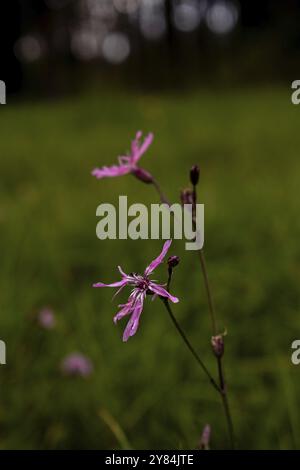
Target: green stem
x=222 y=382
x=162 y=196
x=189 y=346
x=222 y=387
x=208 y=293
x=226 y=405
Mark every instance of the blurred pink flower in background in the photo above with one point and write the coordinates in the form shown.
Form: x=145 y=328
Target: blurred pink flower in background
x=46 y=318
x=77 y=364
x=205 y=438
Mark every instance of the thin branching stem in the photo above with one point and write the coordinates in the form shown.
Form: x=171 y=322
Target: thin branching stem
x=222 y=389
x=189 y=345
x=208 y=293
x=162 y=196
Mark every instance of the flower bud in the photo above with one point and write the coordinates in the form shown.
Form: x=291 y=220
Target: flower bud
x=143 y=175
x=217 y=343
x=186 y=196
x=194 y=175
x=173 y=261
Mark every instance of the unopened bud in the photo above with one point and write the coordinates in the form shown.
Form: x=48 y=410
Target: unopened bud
x=173 y=261
x=194 y=175
x=142 y=175
x=217 y=343
x=186 y=196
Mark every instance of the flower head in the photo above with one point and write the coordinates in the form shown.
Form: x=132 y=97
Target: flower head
x=77 y=364
x=46 y=318
x=128 y=163
x=142 y=285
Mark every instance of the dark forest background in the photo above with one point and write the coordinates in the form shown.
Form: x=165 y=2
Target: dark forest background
x=56 y=46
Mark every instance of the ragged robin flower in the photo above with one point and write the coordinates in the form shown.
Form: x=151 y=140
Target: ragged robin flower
x=142 y=286
x=128 y=163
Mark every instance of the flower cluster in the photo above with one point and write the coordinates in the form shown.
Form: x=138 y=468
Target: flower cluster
x=141 y=283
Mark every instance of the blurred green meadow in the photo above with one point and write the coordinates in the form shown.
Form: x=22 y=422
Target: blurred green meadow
x=149 y=393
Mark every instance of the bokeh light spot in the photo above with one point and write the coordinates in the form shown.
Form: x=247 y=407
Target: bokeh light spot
x=222 y=17
x=116 y=48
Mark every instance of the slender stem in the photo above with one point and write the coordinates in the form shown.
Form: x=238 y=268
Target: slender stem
x=225 y=402
x=189 y=346
x=208 y=292
x=162 y=196
x=194 y=203
x=219 y=359
x=169 y=279
x=211 y=306
x=222 y=387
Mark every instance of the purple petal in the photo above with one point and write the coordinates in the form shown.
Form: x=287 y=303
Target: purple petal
x=137 y=150
x=126 y=310
x=118 y=291
x=122 y=272
x=147 y=142
x=128 y=307
x=111 y=171
x=159 y=290
x=135 y=144
x=133 y=323
x=121 y=283
x=153 y=265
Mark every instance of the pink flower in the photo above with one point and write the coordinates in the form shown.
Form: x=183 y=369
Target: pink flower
x=128 y=163
x=77 y=364
x=142 y=285
x=46 y=318
x=205 y=438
